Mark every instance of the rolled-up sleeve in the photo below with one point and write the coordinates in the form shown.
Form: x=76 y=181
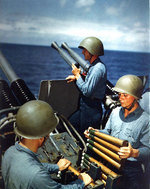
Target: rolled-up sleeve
x=107 y=129
x=94 y=81
x=43 y=180
x=51 y=168
x=144 y=148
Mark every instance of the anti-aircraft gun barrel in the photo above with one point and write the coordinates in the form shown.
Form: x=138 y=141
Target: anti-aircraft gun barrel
x=8 y=99
x=7 y=69
x=76 y=57
x=64 y=55
x=18 y=86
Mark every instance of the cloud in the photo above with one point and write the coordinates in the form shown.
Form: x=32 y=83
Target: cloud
x=84 y=3
x=40 y=30
x=112 y=11
x=118 y=9
x=63 y=3
x=5 y=27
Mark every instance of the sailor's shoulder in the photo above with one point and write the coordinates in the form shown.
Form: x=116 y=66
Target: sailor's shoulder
x=98 y=66
x=117 y=109
x=115 y=112
x=146 y=116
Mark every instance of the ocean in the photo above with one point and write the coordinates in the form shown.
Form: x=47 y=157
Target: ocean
x=36 y=63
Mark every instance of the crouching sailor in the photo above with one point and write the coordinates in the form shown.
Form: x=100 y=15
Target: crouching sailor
x=21 y=168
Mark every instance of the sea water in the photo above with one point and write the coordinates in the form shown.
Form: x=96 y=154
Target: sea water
x=36 y=63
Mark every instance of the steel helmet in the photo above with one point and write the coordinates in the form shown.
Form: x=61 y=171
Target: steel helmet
x=93 y=45
x=129 y=84
x=35 y=119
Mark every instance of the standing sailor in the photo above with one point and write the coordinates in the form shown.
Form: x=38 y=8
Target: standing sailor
x=92 y=87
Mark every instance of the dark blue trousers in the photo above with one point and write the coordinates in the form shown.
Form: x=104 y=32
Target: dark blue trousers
x=88 y=114
x=133 y=176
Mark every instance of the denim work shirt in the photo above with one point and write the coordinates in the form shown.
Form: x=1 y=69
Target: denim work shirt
x=94 y=85
x=21 y=169
x=134 y=128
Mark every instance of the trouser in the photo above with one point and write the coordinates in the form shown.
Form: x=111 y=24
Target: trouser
x=88 y=114
x=147 y=175
x=133 y=177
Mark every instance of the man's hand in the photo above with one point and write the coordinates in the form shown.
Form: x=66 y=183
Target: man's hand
x=63 y=164
x=126 y=152
x=76 y=71
x=86 y=132
x=70 y=78
x=75 y=76
x=86 y=178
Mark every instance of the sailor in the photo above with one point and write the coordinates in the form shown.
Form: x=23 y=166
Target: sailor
x=145 y=101
x=92 y=87
x=145 y=104
x=130 y=122
x=21 y=167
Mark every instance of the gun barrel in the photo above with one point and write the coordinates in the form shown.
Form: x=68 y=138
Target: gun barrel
x=18 y=86
x=63 y=54
x=76 y=57
x=8 y=99
x=55 y=45
x=7 y=69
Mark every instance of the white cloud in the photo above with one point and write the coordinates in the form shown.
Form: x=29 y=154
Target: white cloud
x=42 y=29
x=84 y=3
x=138 y=24
x=5 y=27
x=63 y=2
x=113 y=11
x=116 y=10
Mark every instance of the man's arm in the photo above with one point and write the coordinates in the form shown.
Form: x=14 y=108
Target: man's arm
x=126 y=152
x=93 y=79
x=43 y=180
x=143 y=151
x=60 y=166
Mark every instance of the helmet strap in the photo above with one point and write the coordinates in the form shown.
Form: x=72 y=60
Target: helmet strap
x=132 y=105
x=93 y=58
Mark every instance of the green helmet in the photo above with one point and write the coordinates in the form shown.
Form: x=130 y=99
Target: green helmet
x=93 y=45
x=130 y=84
x=35 y=119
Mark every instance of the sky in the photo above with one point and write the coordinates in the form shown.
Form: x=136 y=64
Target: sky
x=120 y=24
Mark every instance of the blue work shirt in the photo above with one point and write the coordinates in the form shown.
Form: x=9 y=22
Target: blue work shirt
x=145 y=102
x=94 y=85
x=21 y=169
x=134 y=128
